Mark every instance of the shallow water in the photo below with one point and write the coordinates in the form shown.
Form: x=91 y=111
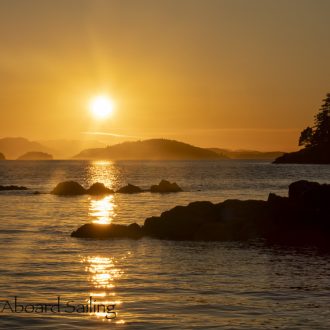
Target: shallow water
x=154 y=284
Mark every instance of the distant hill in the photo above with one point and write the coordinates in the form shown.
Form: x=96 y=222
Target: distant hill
x=33 y=155
x=154 y=149
x=64 y=149
x=13 y=147
x=247 y=154
x=2 y=156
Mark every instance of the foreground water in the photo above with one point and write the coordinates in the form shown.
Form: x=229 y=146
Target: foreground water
x=153 y=284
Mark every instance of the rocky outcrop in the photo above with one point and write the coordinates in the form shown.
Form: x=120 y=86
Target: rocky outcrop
x=165 y=186
x=300 y=219
x=35 y=156
x=99 y=189
x=2 y=156
x=2 y=188
x=129 y=189
x=101 y=231
x=230 y=220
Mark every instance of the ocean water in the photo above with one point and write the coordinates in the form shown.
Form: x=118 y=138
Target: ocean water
x=148 y=283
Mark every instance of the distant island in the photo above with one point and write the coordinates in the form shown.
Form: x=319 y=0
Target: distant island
x=153 y=149
x=35 y=155
x=14 y=147
x=316 y=140
x=2 y=156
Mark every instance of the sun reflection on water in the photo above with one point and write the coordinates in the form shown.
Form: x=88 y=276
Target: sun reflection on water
x=102 y=210
x=104 y=172
x=102 y=273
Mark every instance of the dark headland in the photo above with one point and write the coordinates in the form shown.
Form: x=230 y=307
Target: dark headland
x=316 y=140
x=300 y=219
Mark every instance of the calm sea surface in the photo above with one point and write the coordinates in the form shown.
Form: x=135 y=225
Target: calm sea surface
x=154 y=284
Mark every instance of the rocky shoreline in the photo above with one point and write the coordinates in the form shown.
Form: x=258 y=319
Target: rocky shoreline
x=300 y=219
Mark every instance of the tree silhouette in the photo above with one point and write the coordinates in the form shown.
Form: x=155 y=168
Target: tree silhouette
x=320 y=133
x=306 y=137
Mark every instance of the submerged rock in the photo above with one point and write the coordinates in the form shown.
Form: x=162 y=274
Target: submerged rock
x=13 y=188
x=99 y=189
x=129 y=189
x=69 y=188
x=100 y=231
x=165 y=186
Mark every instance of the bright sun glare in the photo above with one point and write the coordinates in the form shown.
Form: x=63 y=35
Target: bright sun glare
x=101 y=107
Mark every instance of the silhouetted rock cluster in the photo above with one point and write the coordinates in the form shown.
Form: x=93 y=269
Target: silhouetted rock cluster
x=72 y=188
x=13 y=188
x=165 y=186
x=300 y=219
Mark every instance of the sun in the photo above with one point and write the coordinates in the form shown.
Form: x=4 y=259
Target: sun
x=101 y=107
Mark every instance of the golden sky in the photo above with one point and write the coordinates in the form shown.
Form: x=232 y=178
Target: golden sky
x=214 y=73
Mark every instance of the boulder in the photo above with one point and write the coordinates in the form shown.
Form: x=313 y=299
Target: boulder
x=129 y=189
x=108 y=231
x=13 y=188
x=298 y=189
x=99 y=189
x=69 y=188
x=2 y=156
x=165 y=186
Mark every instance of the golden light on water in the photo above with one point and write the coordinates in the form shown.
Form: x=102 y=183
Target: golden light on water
x=102 y=272
x=102 y=210
x=103 y=171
